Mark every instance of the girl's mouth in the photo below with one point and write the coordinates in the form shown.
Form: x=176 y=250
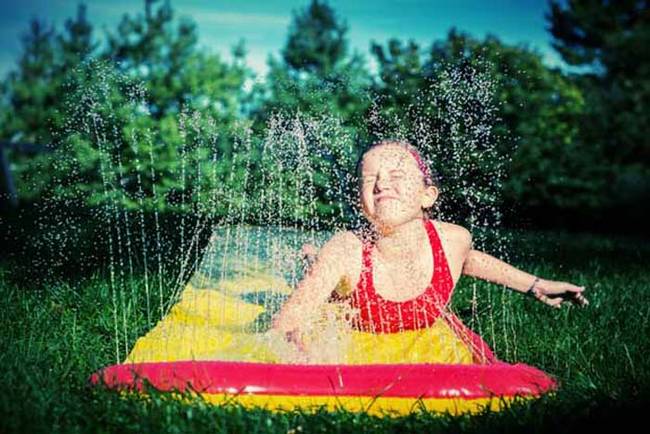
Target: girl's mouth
x=384 y=198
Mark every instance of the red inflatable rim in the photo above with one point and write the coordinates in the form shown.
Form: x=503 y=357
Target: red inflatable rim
x=388 y=380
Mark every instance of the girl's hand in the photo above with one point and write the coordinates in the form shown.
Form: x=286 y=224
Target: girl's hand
x=300 y=352
x=289 y=346
x=555 y=293
x=295 y=337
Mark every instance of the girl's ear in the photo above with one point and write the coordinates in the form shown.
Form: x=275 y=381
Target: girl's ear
x=429 y=197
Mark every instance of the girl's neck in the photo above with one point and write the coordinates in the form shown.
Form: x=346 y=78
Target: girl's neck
x=399 y=242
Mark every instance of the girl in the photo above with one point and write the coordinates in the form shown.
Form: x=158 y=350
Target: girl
x=397 y=279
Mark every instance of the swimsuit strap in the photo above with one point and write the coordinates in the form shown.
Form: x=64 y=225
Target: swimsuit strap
x=442 y=284
x=441 y=272
x=365 y=280
x=379 y=315
x=440 y=268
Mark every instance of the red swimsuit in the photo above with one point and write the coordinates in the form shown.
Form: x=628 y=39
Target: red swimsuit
x=378 y=315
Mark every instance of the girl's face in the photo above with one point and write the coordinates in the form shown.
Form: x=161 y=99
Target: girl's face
x=392 y=190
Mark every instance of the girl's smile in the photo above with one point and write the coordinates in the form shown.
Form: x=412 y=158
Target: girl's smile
x=384 y=198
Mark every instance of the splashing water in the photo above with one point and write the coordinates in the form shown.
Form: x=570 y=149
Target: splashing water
x=249 y=202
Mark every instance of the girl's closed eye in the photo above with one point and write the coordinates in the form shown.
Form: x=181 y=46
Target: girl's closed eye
x=394 y=174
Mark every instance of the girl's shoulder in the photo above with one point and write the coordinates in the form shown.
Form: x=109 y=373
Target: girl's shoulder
x=453 y=232
x=339 y=247
x=346 y=240
x=347 y=247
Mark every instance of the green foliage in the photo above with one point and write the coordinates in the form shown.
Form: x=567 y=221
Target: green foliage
x=304 y=174
x=528 y=115
x=320 y=90
x=139 y=137
x=33 y=96
x=316 y=42
x=176 y=73
x=141 y=130
x=162 y=125
x=342 y=92
x=317 y=76
x=601 y=33
x=608 y=41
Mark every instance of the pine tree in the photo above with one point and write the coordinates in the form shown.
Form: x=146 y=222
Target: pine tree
x=316 y=42
x=316 y=79
x=315 y=74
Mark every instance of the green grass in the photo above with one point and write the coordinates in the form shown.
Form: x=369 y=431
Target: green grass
x=54 y=336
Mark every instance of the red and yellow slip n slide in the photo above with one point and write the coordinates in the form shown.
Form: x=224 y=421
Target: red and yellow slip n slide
x=380 y=389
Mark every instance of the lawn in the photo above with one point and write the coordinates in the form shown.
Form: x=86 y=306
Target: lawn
x=55 y=334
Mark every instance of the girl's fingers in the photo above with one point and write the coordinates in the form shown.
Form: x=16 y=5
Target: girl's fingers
x=570 y=292
x=571 y=287
x=580 y=299
x=567 y=292
x=576 y=298
x=545 y=299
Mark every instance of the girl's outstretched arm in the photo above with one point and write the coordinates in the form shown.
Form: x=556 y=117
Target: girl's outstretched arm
x=483 y=266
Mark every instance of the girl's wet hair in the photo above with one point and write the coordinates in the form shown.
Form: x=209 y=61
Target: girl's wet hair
x=430 y=177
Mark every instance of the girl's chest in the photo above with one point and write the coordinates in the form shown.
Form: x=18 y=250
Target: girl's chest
x=407 y=279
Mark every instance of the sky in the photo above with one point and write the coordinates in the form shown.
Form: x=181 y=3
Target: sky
x=264 y=24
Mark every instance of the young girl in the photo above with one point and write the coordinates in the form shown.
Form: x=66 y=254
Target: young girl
x=397 y=280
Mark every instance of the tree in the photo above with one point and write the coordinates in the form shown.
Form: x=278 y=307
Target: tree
x=476 y=105
x=317 y=84
x=609 y=41
x=176 y=72
x=141 y=128
x=77 y=43
x=152 y=76
x=316 y=42
x=317 y=76
x=34 y=96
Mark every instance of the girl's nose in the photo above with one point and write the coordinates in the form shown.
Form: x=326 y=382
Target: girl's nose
x=382 y=183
